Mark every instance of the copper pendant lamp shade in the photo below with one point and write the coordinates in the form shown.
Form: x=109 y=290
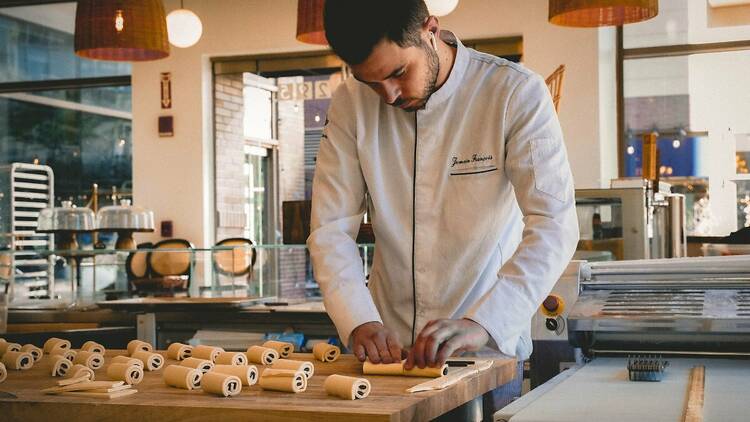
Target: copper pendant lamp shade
x=310 y=22
x=121 y=30
x=593 y=13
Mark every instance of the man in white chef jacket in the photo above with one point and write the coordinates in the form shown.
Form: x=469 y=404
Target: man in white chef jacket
x=471 y=194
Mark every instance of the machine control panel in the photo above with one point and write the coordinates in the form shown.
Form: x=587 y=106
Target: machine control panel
x=549 y=322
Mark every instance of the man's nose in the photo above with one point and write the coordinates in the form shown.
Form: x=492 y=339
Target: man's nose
x=390 y=92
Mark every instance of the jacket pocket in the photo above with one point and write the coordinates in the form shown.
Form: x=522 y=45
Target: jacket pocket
x=550 y=167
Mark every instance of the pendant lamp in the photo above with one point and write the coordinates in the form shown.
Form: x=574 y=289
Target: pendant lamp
x=121 y=30
x=441 y=7
x=184 y=27
x=593 y=13
x=310 y=28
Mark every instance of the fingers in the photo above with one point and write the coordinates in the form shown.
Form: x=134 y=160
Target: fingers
x=382 y=346
x=450 y=348
x=418 y=355
x=394 y=347
x=433 y=343
x=359 y=351
x=372 y=350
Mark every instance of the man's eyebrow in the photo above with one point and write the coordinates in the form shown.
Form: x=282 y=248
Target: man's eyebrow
x=393 y=74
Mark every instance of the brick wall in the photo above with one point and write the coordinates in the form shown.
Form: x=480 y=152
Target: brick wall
x=291 y=130
x=230 y=157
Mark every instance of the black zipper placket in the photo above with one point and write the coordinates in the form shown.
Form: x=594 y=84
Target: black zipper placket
x=414 y=234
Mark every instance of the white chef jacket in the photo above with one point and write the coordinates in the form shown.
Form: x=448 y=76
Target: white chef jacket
x=453 y=189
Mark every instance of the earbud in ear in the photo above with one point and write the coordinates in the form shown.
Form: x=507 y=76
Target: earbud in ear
x=433 y=40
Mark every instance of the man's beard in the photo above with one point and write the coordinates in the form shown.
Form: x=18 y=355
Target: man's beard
x=431 y=75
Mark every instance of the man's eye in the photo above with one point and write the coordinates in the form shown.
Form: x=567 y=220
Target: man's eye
x=401 y=73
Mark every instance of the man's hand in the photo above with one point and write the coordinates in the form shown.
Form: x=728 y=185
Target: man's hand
x=443 y=338
x=373 y=341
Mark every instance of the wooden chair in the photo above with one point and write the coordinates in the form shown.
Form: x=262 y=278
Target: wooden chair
x=554 y=83
x=238 y=261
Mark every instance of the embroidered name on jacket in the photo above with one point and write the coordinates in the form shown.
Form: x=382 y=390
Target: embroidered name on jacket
x=477 y=163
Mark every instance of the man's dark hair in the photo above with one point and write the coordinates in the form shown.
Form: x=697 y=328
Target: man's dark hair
x=353 y=27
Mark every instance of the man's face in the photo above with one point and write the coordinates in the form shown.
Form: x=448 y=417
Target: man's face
x=404 y=77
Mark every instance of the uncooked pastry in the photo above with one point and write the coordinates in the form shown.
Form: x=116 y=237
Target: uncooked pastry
x=3 y=372
x=179 y=351
x=151 y=361
x=296 y=365
x=285 y=380
x=206 y=352
x=55 y=343
x=66 y=353
x=349 y=388
x=221 y=384
x=91 y=359
x=139 y=346
x=325 y=352
x=92 y=346
x=9 y=347
x=284 y=348
x=261 y=355
x=36 y=352
x=78 y=371
x=60 y=366
x=182 y=377
x=369 y=368
x=231 y=358
x=128 y=360
x=131 y=374
x=18 y=360
x=248 y=374
x=202 y=365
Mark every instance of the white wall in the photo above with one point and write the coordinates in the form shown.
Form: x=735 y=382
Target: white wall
x=173 y=176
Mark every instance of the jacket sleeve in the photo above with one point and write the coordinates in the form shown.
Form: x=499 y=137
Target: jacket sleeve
x=537 y=165
x=338 y=204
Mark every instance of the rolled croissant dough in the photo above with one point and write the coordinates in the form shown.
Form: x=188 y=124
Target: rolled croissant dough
x=349 y=388
x=129 y=373
x=325 y=352
x=284 y=380
x=369 y=368
x=248 y=374
x=182 y=377
x=221 y=384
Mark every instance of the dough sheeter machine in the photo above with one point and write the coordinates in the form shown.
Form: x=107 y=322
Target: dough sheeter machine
x=688 y=311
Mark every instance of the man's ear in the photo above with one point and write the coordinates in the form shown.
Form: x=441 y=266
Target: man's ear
x=431 y=24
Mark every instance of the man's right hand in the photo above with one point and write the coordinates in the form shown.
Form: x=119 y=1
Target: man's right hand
x=373 y=341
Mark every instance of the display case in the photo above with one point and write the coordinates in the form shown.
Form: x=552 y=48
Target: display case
x=172 y=269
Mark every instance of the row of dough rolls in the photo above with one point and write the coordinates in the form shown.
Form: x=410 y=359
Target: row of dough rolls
x=286 y=380
x=325 y=352
x=350 y=388
x=369 y=368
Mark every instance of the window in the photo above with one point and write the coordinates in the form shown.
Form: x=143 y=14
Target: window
x=685 y=77
x=60 y=110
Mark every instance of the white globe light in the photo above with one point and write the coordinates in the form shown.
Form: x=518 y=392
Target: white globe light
x=441 y=7
x=184 y=28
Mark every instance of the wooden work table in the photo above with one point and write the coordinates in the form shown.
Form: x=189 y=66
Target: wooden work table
x=388 y=401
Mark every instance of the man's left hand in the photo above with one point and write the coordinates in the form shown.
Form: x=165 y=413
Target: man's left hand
x=443 y=338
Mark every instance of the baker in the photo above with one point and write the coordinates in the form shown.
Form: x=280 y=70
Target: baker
x=470 y=191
